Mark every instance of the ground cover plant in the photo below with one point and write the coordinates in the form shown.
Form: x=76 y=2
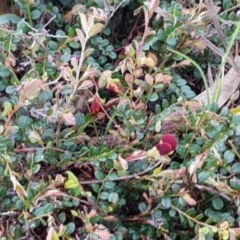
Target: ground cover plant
x=101 y=133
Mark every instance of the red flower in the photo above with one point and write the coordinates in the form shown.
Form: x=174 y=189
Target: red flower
x=167 y=145
x=96 y=105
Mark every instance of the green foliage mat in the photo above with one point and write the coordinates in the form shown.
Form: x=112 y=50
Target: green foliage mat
x=84 y=89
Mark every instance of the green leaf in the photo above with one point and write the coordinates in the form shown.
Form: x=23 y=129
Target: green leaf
x=53 y=45
x=203 y=176
x=142 y=207
x=48 y=208
x=217 y=203
x=4 y=72
x=236 y=168
x=66 y=57
x=109 y=185
x=70 y=228
x=165 y=103
x=9 y=18
x=24 y=122
x=153 y=97
x=36 y=167
x=235 y=184
x=166 y=202
x=172 y=212
x=113 y=197
x=104 y=195
x=62 y=217
x=99 y=175
x=62 y=34
x=75 y=45
x=107 y=31
x=199 y=216
x=36 y=14
x=80 y=119
x=45 y=96
x=227 y=4
x=229 y=156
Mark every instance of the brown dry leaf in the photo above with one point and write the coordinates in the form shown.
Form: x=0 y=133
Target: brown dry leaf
x=182 y=64
x=192 y=105
x=163 y=78
x=31 y=88
x=197 y=163
x=92 y=214
x=52 y=193
x=10 y=62
x=74 y=12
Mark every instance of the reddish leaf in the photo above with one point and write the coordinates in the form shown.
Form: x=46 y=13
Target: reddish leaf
x=164 y=148
x=171 y=140
x=113 y=87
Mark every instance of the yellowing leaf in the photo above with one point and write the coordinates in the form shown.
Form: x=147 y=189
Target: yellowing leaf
x=80 y=36
x=235 y=111
x=149 y=62
x=71 y=184
x=88 y=52
x=153 y=57
x=34 y=137
x=97 y=28
x=224 y=234
x=157 y=171
x=7 y=108
x=84 y=22
x=235 y=96
x=123 y=162
x=72 y=181
x=18 y=187
x=190 y=201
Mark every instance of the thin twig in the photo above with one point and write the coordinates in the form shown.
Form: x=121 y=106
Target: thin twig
x=211 y=190
x=136 y=175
